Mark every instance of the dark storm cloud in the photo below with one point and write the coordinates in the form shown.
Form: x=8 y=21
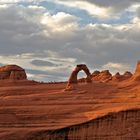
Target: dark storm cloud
x=42 y=63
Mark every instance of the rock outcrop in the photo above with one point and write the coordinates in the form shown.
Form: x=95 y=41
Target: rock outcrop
x=82 y=80
x=95 y=73
x=12 y=72
x=127 y=75
x=117 y=77
x=103 y=76
x=73 y=78
x=123 y=125
x=136 y=75
x=137 y=71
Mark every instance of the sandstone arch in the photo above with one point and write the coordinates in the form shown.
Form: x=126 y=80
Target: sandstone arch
x=73 y=77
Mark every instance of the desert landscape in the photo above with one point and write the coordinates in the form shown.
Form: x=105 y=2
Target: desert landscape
x=69 y=69
x=97 y=107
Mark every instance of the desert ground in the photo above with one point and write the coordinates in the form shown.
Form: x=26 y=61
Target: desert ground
x=91 y=111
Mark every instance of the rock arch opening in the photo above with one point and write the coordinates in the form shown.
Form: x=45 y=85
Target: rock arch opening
x=73 y=77
x=74 y=74
x=81 y=77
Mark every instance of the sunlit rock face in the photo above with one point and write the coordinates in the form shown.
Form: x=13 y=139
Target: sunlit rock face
x=137 y=71
x=123 y=125
x=103 y=76
x=12 y=72
x=136 y=76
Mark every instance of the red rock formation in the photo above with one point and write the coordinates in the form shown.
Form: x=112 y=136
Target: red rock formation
x=117 y=77
x=136 y=75
x=73 y=77
x=82 y=80
x=137 y=71
x=103 y=76
x=127 y=75
x=12 y=72
x=95 y=73
x=123 y=125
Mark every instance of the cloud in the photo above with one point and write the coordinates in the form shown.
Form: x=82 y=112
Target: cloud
x=59 y=22
x=42 y=63
x=28 y=32
x=37 y=66
x=16 y=1
x=116 y=67
x=51 y=45
x=91 y=8
x=100 y=8
x=97 y=8
x=138 y=12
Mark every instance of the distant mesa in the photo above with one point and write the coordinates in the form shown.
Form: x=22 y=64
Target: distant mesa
x=12 y=72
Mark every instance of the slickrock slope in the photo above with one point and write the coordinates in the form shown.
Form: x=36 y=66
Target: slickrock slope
x=47 y=112
x=124 y=125
x=106 y=109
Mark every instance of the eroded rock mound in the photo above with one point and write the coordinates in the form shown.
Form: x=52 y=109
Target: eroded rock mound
x=103 y=76
x=12 y=72
x=95 y=73
x=117 y=77
x=127 y=75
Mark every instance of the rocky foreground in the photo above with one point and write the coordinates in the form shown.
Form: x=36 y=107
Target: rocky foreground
x=92 y=111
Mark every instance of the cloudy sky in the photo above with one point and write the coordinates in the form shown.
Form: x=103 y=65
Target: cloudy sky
x=49 y=37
